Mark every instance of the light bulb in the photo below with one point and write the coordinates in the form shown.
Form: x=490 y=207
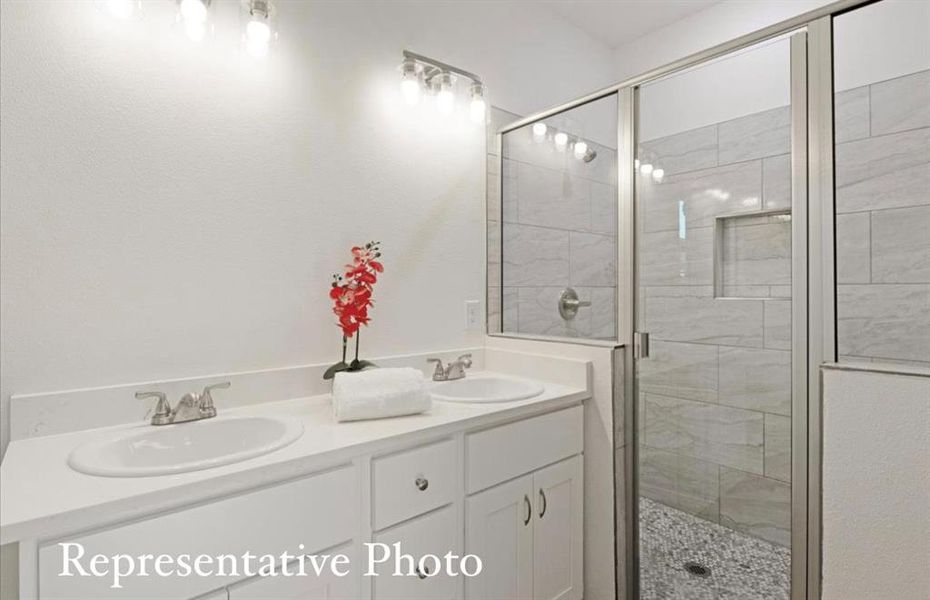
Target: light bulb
x=410 y=89
x=478 y=105
x=194 y=15
x=445 y=99
x=657 y=175
x=539 y=131
x=636 y=163
x=477 y=110
x=257 y=38
x=410 y=82
x=645 y=169
x=121 y=9
x=581 y=148
x=193 y=11
x=561 y=140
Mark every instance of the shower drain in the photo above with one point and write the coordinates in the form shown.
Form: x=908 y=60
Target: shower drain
x=697 y=569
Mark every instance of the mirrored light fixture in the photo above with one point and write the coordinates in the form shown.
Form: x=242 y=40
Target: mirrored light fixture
x=421 y=74
x=561 y=140
x=658 y=175
x=193 y=14
x=539 y=131
x=478 y=107
x=645 y=168
x=580 y=149
x=259 y=29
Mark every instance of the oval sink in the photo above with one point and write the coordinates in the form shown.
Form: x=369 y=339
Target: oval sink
x=184 y=447
x=486 y=388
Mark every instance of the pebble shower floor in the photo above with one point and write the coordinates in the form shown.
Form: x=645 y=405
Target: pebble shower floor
x=741 y=567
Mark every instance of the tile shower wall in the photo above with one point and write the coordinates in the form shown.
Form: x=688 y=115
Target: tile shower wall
x=715 y=393
x=559 y=230
x=883 y=221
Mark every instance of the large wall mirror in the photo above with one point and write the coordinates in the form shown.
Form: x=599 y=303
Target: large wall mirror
x=552 y=226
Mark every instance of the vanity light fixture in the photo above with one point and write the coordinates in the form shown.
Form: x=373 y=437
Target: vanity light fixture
x=645 y=168
x=420 y=73
x=561 y=140
x=658 y=175
x=259 y=30
x=193 y=14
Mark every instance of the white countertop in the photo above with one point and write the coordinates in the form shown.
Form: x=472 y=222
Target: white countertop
x=42 y=497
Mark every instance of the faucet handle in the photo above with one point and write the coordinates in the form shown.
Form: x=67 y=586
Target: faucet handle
x=206 y=398
x=439 y=373
x=162 y=408
x=465 y=359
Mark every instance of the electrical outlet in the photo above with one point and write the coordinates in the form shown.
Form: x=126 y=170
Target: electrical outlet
x=473 y=315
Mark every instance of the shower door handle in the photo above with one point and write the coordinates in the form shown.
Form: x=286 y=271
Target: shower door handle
x=641 y=344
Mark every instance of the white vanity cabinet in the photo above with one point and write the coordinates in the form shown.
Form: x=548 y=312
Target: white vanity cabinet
x=528 y=530
x=510 y=493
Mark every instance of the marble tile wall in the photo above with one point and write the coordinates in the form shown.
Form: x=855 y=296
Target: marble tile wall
x=552 y=224
x=883 y=221
x=715 y=393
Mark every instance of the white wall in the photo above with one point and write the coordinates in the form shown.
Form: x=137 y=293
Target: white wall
x=876 y=485
x=168 y=210
x=717 y=24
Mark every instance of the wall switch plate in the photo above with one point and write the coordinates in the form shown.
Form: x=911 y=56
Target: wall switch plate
x=473 y=316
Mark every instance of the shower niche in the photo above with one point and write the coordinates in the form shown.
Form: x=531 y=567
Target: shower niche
x=752 y=255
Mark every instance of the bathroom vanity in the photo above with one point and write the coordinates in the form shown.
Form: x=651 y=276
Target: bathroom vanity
x=502 y=481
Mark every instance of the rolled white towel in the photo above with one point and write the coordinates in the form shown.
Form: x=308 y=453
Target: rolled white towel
x=379 y=393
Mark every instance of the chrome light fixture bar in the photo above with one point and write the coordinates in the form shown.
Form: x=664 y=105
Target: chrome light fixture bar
x=420 y=73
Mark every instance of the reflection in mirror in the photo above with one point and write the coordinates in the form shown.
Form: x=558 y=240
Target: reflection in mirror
x=552 y=226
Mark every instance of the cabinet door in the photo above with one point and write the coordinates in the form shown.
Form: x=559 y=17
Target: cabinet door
x=326 y=586
x=499 y=530
x=557 y=531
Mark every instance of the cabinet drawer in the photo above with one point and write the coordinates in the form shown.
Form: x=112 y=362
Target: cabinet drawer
x=413 y=482
x=436 y=534
x=502 y=453
x=319 y=511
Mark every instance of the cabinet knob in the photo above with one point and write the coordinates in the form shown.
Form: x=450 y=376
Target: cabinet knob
x=421 y=573
x=422 y=483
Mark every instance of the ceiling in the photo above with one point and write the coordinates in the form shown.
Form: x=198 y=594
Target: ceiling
x=618 y=22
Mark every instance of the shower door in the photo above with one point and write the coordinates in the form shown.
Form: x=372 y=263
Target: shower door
x=716 y=215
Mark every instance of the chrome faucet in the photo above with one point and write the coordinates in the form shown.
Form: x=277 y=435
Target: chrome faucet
x=191 y=407
x=454 y=370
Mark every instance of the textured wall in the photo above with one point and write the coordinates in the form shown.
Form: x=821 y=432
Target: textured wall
x=876 y=485
x=169 y=211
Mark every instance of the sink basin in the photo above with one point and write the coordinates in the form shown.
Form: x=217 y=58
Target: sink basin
x=486 y=388
x=184 y=447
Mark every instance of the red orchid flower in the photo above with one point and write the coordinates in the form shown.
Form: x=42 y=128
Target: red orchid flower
x=351 y=291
